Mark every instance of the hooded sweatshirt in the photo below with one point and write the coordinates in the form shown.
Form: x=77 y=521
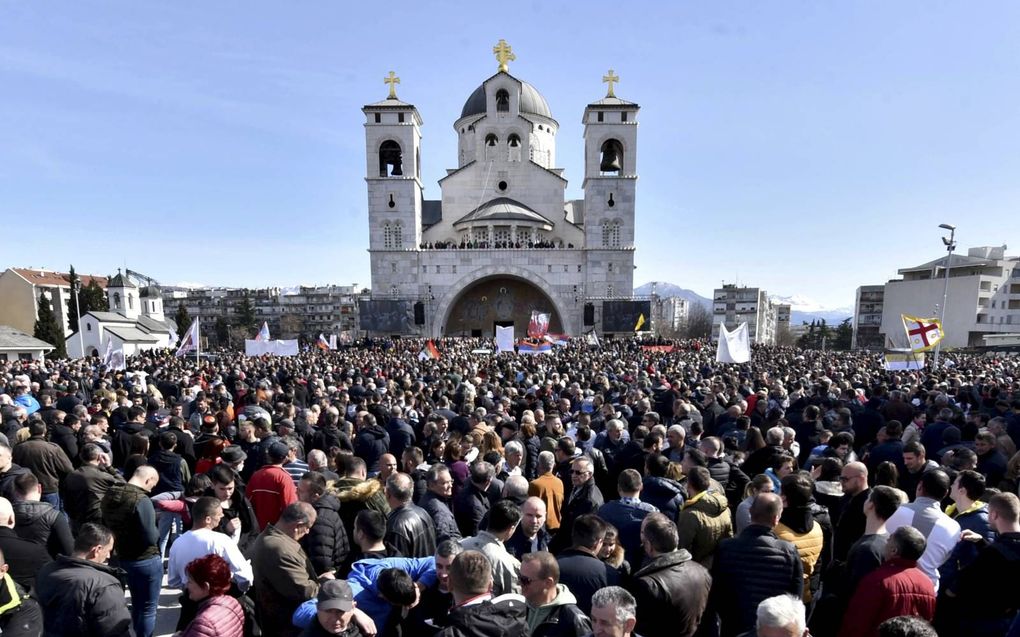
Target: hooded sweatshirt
x=537 y=616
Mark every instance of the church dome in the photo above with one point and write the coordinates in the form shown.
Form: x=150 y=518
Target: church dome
x=531 y=102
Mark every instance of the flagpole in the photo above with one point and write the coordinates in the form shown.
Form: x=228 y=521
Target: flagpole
x=950 y=244
x=198 y=342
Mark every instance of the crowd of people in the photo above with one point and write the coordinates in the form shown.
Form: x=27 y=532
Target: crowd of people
x=607 y=490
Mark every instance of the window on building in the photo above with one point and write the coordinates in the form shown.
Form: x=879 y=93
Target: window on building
x=502 y=101
x=610 y=292
x=378 y=118
x=623 y=116
x=611 y=234
x=400 y=117
x=601 y=116
x=24 y=357
x=116 y=300
x=88 y=327
x=491 y=139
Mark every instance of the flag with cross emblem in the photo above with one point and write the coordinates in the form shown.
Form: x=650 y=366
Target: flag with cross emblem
x=922 y=333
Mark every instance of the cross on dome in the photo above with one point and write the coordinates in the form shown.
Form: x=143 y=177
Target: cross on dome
x=504 y=54
x=392 y=80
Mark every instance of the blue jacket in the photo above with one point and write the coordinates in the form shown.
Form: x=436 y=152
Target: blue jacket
x=974 y=519
x=627 y=518
x=362 y=579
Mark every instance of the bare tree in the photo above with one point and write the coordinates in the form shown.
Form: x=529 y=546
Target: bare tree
x=699 y=321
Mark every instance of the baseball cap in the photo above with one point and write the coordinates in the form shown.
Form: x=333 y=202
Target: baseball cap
x=336 y=594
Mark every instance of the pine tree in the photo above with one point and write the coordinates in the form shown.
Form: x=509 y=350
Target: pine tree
x=48 y=329
x=246 y=313
x=93 y=299
x=182 y=319
x=72 y=318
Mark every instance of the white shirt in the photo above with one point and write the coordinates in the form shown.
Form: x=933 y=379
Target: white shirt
x=199 y=543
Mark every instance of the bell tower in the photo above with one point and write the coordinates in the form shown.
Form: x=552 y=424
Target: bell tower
x=610 y=180
x=393 y=173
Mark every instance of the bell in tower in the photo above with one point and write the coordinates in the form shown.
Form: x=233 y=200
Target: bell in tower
x=612 y=154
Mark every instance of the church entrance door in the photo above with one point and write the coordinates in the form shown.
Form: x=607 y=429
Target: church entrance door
x=498 y=301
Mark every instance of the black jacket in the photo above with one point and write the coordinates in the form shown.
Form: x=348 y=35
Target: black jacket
x=401 y=437
x=583 y=574
x=185 y=447
x=168 y=465
x=7 y=480
x=469 y=507
x=733 y=480
x=442 y=517
x=327 y=437
x=122 y=441
x=24 y=557
x=672 y=592
x=583 y=500
x=507 y=617
x=83 y=491
x=666 y=495
x=41 y=523
x=411 y=531
x=326 y=543
x=749 y=568
x=65 y=438
x=518 y=545
x=82 y=599
x=370 y=444
x=569 y=621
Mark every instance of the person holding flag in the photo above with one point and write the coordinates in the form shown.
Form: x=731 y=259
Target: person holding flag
x=923 y=334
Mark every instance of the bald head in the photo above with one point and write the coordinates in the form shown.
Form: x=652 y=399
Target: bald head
x=766 y=509
x=854 y=478
x=144 y=477
x=6 y=513
x=533 y=515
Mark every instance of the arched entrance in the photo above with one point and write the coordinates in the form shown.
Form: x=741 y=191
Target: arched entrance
x=498 y=300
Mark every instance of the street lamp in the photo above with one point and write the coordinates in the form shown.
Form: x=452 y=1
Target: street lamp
x=950 y=244
x=76 y=290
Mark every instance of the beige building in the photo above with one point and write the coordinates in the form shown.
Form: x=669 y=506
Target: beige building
x=732 y=305
x=868 y=306
x=20 y=289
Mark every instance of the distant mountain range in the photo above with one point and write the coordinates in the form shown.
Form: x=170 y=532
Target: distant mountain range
x=802 y=308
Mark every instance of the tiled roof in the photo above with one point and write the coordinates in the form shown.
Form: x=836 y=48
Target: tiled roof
x=58 y=279
x=12 y=339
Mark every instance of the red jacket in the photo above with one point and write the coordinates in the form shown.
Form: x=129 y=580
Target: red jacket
x=219 y=616
x=270 y=490
x=896 y=588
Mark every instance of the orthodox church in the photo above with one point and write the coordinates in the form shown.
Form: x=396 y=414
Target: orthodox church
x=503 y=241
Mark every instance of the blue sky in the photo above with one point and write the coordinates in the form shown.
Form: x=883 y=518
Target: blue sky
x=806 y=147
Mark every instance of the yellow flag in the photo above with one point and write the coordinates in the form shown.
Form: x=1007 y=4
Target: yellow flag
x=640 y=322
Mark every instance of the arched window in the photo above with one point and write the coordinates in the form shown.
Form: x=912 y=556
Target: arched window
x=116 y=300
x=131 y=302
x=502 y=101
x=514 y=147
x=491 y=139
x=490 y=146
x=611 y=159
x=390 y=159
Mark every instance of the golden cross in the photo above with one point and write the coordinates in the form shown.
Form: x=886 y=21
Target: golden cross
x=392 y=80
x=504 y=54
x=610 y=79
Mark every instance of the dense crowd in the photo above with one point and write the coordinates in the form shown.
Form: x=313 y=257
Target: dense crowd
x=605 y=490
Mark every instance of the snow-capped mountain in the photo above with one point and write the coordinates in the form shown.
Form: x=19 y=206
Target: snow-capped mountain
x=804 y=309
x=667 y=290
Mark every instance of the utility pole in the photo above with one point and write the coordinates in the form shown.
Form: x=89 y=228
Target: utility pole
x=950 y=244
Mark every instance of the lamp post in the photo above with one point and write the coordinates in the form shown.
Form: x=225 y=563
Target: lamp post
x=76 y=290
x=950 y=244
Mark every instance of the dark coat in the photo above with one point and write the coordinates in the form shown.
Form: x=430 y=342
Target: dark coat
x=583 y=500
x=327 y=437
x=82 y=599
x=627 y=518
x=46 y=460
x=168 y=465
x=583 y=574
x=83 y=492
x=506 y=618
x=7 y=480
x=65 y=438
x=851 y=524
x=41 y=523
x=518 y=545
x=761 y=459
x=24 y=557
x=401 y=436
x=664 y=494
x=410 y=530
x=749 y=568
x=327 y=544
x=469 y=507
x=888 y=451
x=370 y=444
x=185 y=446
x=568 y=621
x=442 y=517
x=121 y=444
x=733 y=480
x=672 y=592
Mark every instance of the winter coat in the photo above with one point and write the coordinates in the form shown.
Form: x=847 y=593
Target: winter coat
x=664 y=494
x=469 y=507
x=442 y=517
x=121 y=444
x=973 y=519
x=41 y=523
x=219 y=616
x=356 y=496
x=985 y=586
x=270 y=490
x=128 y=512
x=532 y=447
x=583 y=500
x=583 y=574
x=82 y=599
x=284 y=578
x=518 y=545
x=896 y=588
x=549 y=489
x=370 y=444
x=505 y=617
x=808 y=540
x=627 y=517
x=672 y=592
x=703 y=522
x=506 y=569
x=24 y=558
x=326 y=543
x=46 y=460
x=327 y=437
x=749 y=568
x=65 y=438
x=171 y=474
x=559 y=618
x=411 y=531
x=733 y=480
x=20 y=615
x=7 y=479
x=83 y=491
x=401 y=437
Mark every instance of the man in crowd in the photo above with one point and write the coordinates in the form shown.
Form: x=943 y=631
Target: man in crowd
x=45 y=460
x=581 y=569
x=472 y=503
x=284 y=577
x=585 y=498
x=84 y=488
x=409 y=528
x=475 y=613
x=503 y=520
x=531 y=534
x=552 y=608
x=627 y=513
x=271 y=489
x=613 y=612
x=704 y=520
x=925 y=514
x=548 y=488
x=23 y=557
x=436 y=502
x=326 y=544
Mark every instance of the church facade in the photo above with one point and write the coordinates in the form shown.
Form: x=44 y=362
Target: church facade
x=503 y=240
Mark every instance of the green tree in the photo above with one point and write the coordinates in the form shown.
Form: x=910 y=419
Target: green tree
x=183 y=319
x=93 y=298
x=246 y=313
x=48 y=329
x=73 y=311
x=222 y=331
x=844 y=335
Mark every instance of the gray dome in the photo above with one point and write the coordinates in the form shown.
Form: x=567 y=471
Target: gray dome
x=531 y=102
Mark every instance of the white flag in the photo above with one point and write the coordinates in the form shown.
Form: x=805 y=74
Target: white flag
x=734 y=347
x=108 y=353
x=114 y=358
x=332 y=341
x=263 y=334
x=505 y=338
x=190 y=342
x=592 y=338
x=173 y=333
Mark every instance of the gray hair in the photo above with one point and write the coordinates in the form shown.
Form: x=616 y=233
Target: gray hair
x=400 y=487
x=317 y=457
x=782 y=611
x=617 y=597
x=513 y=447
x=546 y=462
x=614 y=424
x=435 y=471
x=774 y=436
x=515 y=487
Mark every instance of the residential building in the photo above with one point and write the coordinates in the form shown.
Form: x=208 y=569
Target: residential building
x=733 y=305
x=867 y=322
x=20 y=289
x=984 y=297
x=669 y=314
